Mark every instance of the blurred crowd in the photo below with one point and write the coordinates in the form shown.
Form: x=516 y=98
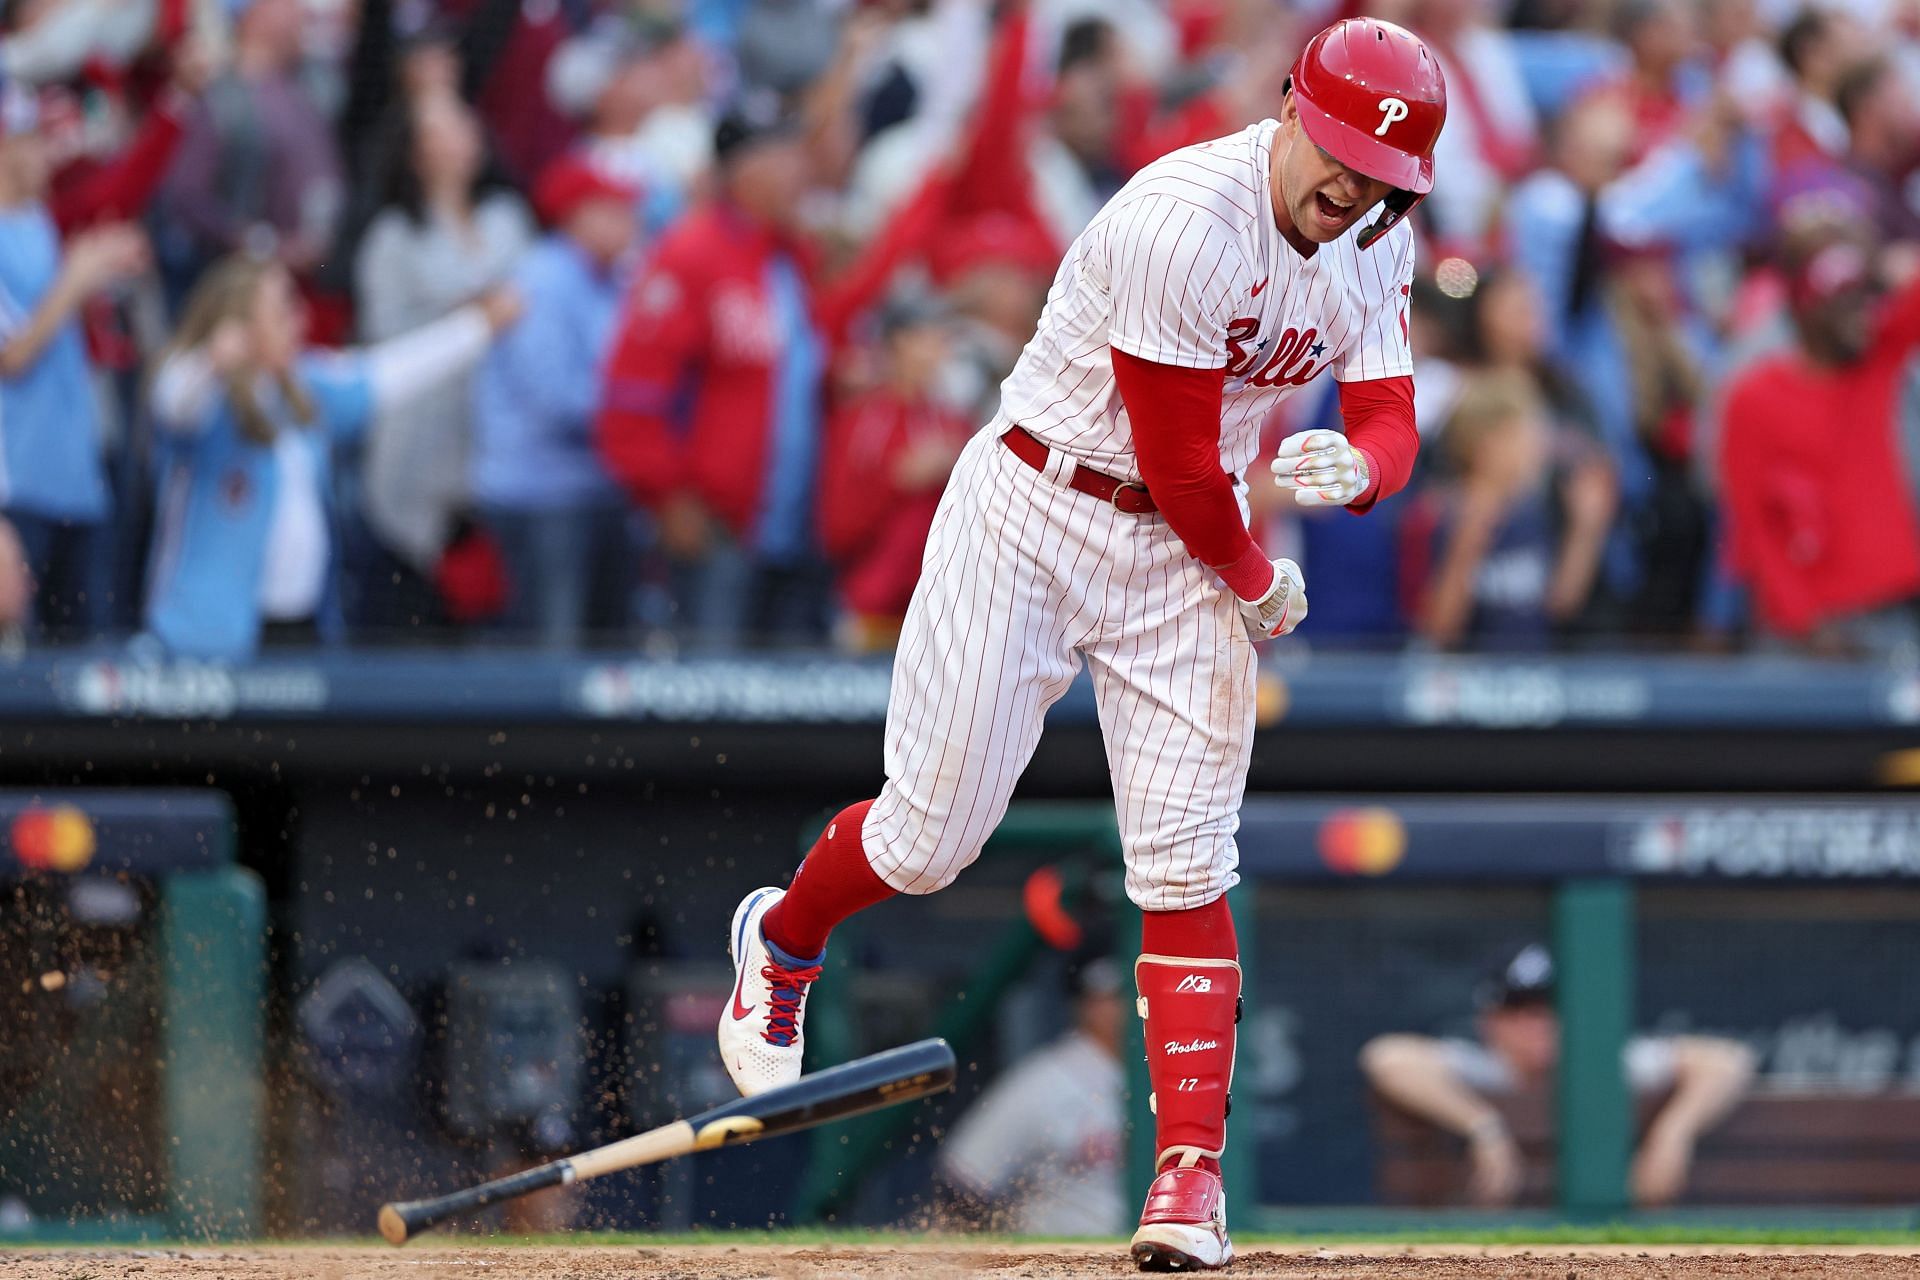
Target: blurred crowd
x=630 y=321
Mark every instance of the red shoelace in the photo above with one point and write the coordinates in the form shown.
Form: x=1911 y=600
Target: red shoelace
x=783 y=1003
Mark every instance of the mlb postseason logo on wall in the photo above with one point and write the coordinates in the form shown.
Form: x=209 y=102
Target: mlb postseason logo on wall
x=828 y=691
x=1820 y=842
x=1518 y=696
x=187 y=690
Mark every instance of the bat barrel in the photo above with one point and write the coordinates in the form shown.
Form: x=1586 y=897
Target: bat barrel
x=406 y=1218
x=837 y=1093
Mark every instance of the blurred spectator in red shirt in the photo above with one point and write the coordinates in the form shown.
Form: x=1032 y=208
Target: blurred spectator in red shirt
x=1815 y=459
x=889 y=452
x=711 y=415
x=258 y=169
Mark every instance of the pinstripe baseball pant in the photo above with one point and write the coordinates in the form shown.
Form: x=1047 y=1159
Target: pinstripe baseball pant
x=1023 y=579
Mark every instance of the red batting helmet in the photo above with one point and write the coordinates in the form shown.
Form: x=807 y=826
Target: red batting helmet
x=1371 y=96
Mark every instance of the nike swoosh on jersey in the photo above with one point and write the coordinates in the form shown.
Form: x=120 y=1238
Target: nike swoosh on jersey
x=1257 y=288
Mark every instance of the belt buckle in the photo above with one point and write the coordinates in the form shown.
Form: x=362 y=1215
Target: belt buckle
x=1113 y=499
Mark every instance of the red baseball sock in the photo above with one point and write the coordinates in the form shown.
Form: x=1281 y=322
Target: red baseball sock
x=834 y=881
x=1189 y=975
x=1204 y=933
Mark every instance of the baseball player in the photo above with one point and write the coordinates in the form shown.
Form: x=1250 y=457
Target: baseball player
x=1101 y=518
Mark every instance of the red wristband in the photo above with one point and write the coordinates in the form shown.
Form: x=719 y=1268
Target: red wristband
x=1251 y=576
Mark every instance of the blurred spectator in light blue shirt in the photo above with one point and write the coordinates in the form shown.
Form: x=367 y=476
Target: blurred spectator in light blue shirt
x=52 y=483
x=248 y=419
x=537 y=479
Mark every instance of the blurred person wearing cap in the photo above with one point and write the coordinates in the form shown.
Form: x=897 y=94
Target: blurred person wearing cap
x=55 y=490
x=247 y=419
x=993 y=269
x=639 y=85
x=713 y=410
x=445 y=234
x=888 y=455
x=1824 y=527
x=1449 y=1082
x=541 y=487
x=259 y=169
x=1042 y=1151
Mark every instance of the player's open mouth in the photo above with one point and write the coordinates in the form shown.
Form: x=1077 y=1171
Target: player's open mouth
x=1332 y=213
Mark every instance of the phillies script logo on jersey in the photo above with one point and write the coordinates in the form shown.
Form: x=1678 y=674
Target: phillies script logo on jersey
x=1191 y=1046
x=1285 y=366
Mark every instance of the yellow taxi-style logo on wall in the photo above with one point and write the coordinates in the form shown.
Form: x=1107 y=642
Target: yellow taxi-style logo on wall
x=57 y=838
x=1362 y=842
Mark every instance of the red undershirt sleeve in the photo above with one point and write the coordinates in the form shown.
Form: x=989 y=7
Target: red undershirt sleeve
x=1378 y=416
x=1175 y=412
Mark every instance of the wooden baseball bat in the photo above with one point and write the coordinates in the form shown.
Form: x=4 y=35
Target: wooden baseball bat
x=865 y=1084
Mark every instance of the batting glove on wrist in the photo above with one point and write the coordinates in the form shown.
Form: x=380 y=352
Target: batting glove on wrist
x=1283 y=608
x=1320 y=469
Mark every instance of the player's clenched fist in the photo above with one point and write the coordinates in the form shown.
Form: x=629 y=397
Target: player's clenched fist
x=1321 y=468
x=1284 y=606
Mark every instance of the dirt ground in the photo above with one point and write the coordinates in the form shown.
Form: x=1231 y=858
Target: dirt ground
x=440 y=1261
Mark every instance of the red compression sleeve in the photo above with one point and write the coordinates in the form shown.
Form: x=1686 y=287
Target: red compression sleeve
x=1200 y=932
x=1378 y=414
x=1176 y=435
x=834 y=881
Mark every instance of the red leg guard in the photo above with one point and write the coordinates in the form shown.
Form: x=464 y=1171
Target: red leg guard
x=1190 y=1007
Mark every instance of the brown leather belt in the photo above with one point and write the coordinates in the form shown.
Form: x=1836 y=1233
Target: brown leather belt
x=1129 y=496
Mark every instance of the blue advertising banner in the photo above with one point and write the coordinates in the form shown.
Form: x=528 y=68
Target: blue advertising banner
x=1541 y=838
x=140 y=831
x=1298 y=689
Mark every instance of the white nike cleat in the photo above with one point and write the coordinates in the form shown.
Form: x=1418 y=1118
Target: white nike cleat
x=761 y=1038
x=1184 y=1225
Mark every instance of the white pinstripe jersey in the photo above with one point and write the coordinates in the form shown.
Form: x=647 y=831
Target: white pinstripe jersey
x=1185 y=266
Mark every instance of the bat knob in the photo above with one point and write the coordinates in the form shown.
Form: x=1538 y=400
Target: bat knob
x=392 y=1225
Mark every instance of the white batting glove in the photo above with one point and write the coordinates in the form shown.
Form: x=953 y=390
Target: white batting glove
x=1320 y=469
x=1283 y=608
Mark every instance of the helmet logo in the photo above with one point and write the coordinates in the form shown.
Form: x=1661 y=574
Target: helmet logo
x=1392 y=111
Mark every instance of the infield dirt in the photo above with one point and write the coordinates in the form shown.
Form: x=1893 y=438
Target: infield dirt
x=1009 y=1262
